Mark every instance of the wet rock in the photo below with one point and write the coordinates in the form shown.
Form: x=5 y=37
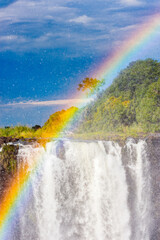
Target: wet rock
x=4 y=140
x=8 y=165
x=8 y=158
x=153 y=143
x=60 y=150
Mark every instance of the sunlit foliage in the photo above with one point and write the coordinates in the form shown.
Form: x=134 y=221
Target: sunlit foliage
x=17 y=131
x=56 y=123
x=90 y=84
x=131 y=104
x=52 y=128
x=132 y=101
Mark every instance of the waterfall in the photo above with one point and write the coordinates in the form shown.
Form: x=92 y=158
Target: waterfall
x=87 y=191
x=139 y=170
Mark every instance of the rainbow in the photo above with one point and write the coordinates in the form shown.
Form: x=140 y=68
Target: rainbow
x=141 y=36
x=18 y=192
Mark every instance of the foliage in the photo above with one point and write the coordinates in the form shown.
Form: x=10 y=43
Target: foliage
x=56 y=123
x=8 y=158
x=148 y=110
x=130 y=105
x=36 y=127
x=131 y=102
x=51 y=128
x=17 y=131
x=90 y=84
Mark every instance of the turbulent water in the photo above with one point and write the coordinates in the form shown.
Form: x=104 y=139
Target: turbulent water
x=87 y=191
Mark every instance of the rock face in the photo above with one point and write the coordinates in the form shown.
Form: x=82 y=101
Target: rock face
x=8 y=159
x=4 y=181
x=4 y=140
x=154 y=157
x=8 y=165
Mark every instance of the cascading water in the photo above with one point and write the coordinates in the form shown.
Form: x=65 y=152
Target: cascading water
x=139 y=170
x=87 y=191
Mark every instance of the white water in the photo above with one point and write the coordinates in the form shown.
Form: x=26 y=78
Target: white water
x=139 y=170
x=83 y=191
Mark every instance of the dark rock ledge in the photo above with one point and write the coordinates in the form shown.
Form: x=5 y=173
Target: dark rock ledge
x=5 y=140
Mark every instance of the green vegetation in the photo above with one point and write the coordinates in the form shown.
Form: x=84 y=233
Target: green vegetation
x=8 y=158
x=56 y=123
x=130 y=106
x=18 y=132
x=51 y=128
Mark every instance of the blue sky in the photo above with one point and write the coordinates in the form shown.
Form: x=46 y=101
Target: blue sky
x=48 y=46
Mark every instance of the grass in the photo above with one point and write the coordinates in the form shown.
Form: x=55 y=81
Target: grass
x=27 y=132
x=17 y=132
x=134 y=131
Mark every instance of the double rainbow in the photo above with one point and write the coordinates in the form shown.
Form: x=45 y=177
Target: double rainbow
x=16 y=194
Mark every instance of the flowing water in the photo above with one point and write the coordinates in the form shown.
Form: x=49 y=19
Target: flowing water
x=87 y=191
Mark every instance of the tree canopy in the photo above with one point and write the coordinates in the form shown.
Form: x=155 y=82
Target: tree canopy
x=56 y=122
x=132 y=100
x=89 y=84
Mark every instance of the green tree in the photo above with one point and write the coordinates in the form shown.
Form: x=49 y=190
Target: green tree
x=148 y=111
x=132 y=100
